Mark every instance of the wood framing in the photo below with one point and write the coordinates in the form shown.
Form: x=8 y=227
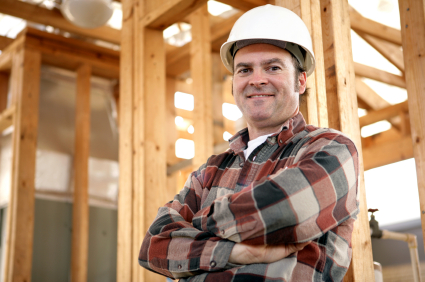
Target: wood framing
x=200 y=66
x=383 y=114
x=365 y=25
x=20 y=229
x=412 y=17
x=54 y=18
x=341 y=98
x=379 y=75
x=80 y=207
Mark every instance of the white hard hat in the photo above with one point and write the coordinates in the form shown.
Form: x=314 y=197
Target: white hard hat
x=271 y=25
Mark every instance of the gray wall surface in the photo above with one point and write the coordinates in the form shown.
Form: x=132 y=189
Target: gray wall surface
x=52 y=243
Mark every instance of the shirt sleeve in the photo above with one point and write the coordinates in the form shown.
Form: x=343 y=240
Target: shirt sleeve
x=298 y=203
x=173 y=247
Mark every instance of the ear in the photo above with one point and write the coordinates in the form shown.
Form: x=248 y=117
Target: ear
x=302 y=80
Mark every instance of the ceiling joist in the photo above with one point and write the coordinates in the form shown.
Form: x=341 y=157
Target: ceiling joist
x=55 y=19
x=384 y=114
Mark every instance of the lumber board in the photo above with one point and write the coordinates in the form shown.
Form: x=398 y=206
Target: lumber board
x=5 y=41
x=6 y=117
x=370 y=97
x=200 y=65
x=4 y=89
x=54 y=18
x=379 y=75
x=26 y=88
x=388 y=152
x=154 y=142
x=383 y=114
x=69 y=53
x=125 y=258
x=412 y=17
x=80 y=207
x=341 y=98
x=217 y=98
x=170 y=12
x=171 y=130
x=388 y=50
x=244 y=5
x=362 y=24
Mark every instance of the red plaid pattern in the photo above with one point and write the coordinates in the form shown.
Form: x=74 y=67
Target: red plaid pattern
x=299 y=185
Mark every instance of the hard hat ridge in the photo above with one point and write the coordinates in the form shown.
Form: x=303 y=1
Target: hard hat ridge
x=273 y=25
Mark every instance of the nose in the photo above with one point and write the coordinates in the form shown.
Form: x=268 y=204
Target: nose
x=258 y=79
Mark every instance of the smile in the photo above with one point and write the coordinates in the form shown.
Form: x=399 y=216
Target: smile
x=260 y=95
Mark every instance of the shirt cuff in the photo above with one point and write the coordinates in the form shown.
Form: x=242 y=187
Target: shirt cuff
x=215 y=256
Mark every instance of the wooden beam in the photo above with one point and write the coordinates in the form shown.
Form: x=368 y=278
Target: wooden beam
x=341 y=98
x=20 y=231
x=80 y=207
x=362 y=24
x=6 y=118
x=5 y=41
x=200 y=55
x=383 y=114
x=390 y=51
x=217 y=98
x=4 y=90
x=170 y=12
x=126 y=251
x=54 y=18
x=170 y=116
x=370 y=97
x=412 y=17
x=178 y=58
x=388 y=152
x=379 y=75
x=244 y=5
x=70 y=53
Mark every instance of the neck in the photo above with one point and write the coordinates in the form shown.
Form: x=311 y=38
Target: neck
x=255 y=132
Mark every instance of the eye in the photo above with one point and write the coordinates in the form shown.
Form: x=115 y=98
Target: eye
x=243 y=70
x=274 y=68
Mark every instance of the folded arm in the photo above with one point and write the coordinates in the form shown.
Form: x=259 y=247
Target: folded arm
x=297 y=204
x=173 y=247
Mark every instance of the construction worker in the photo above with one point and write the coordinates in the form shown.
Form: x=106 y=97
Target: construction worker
x=279 y=205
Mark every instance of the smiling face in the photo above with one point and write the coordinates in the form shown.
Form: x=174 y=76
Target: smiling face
x=264 y=87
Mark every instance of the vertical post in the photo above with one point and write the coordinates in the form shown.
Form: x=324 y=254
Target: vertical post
x=217 y=98
x=413 y=37
x=171 y=133
x=200 y=69
x=26 y=89
x=80 y=209
x=125 y=257
x=341 y=97
x=313 y=105
x=4 y=87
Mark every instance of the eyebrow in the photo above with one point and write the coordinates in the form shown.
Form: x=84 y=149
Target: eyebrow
x=263 y=63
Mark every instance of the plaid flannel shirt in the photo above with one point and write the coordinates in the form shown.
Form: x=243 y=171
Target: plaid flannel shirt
x=299 y=185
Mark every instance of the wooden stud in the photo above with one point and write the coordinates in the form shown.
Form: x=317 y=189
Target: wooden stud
x=244 y=5
x=125 y=259
x=379 y=75
x=369 y=96
x=412 y=17
x=54 y=18
x=200 y=65
x=80 y=208
x=5 y=41
x=217 y=98
x=4 y=90
x=340 y=81
x=6 y=118
x=26 y=87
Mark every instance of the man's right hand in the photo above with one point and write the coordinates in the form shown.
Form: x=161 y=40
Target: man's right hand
x=246 y=254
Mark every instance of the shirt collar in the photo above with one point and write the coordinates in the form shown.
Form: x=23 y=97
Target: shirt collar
x=289 y=128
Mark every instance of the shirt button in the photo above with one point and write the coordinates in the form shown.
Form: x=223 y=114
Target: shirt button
x=241 y=164
x=223 y=231
x=213 y=264
x=280 y=141
x=180 y=266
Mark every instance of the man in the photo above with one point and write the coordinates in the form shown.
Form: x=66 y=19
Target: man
x=279 y=205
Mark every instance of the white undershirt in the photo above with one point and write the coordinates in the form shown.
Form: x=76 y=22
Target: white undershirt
x=252 y=144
